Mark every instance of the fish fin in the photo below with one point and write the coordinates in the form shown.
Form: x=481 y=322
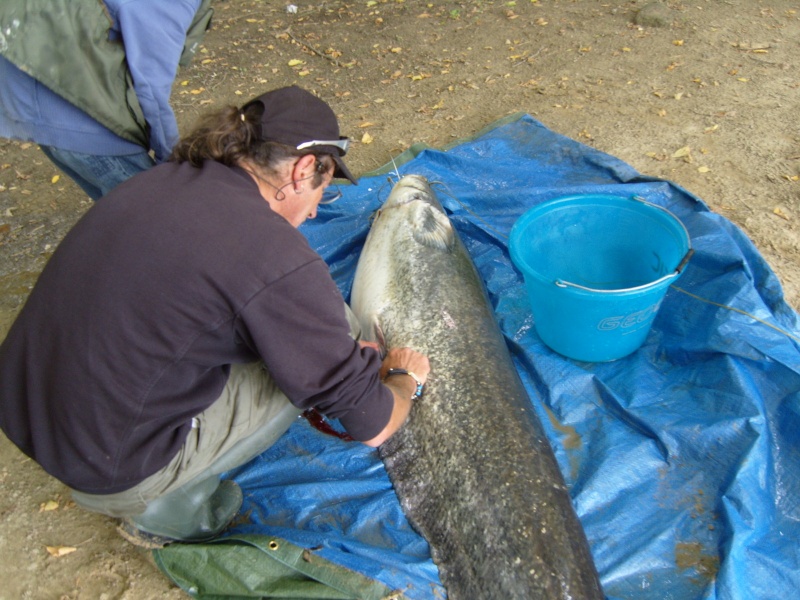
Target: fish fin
x=380 y=338
x=374 y=216
x=431 y=228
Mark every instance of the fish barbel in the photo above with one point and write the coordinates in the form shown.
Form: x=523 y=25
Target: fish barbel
x=472 y=467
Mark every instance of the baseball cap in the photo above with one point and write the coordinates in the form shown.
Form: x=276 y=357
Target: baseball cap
x=297 y=118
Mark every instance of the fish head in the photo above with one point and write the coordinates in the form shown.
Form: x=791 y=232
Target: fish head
x=406 y=234
x=412 y=188
x=422 y=214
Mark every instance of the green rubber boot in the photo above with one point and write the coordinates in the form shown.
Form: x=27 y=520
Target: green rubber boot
x=196 y=512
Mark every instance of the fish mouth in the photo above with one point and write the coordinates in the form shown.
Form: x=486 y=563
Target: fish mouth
x=411 y=188
x=418 y=182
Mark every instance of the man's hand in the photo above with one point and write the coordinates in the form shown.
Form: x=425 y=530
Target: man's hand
x=402 y=387
x=408 y=359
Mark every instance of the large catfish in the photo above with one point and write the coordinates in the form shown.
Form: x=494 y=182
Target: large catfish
x=472 y=467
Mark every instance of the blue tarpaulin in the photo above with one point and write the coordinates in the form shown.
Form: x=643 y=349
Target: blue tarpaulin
x=682 y=459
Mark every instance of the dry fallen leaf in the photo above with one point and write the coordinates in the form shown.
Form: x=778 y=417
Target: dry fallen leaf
x=295 y=62
x=703 y=169
x=59 y=551
x=47 y=506
x=682 y=152
x=777 y=210
x=752 y=47
x=55 y=178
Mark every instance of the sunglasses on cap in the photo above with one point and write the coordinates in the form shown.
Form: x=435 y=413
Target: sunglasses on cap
x=342 y=143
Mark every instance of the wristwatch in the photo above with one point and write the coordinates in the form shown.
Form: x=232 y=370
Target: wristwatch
x=418 y=391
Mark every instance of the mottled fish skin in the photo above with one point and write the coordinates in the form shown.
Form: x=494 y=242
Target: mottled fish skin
x=472 y=467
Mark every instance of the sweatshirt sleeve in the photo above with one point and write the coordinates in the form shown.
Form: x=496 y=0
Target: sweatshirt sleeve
x=298 y=326
x=154 y=33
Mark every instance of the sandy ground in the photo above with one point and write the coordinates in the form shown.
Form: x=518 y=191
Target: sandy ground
x=704 y=93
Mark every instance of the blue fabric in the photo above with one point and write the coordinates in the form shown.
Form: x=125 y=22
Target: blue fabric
x=31 y=112
x=682 y=459
x=98 y=174
x=154 y=33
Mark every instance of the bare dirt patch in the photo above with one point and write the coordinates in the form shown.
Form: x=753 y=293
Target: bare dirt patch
x=705 y=93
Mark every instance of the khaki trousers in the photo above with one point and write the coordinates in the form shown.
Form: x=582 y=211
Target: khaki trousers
x=248 y=417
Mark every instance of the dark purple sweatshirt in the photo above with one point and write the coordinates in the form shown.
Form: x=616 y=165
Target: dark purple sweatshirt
x=130 y=330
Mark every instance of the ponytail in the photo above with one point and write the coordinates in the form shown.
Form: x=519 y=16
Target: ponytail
x=226 y=136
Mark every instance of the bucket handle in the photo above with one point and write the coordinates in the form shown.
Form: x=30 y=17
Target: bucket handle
x=563 y=284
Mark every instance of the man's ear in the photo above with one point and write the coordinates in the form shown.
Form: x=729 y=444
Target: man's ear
x=304 y=167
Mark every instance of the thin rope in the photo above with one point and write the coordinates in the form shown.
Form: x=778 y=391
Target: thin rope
x=743 y=312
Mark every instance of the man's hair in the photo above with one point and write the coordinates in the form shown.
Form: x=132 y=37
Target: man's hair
x=229 y=136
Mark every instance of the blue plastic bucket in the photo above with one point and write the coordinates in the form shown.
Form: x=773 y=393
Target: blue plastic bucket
x=596 y=269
